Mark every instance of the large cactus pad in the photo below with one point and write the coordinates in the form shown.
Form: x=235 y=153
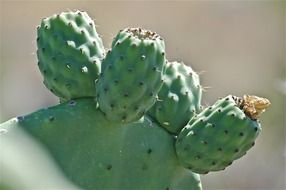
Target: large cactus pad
x=97 y=154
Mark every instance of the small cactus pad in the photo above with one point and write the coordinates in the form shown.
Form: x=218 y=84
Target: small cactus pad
x=95 y=153
x=69 y=54
x=220 y=134
x=178 y=99
x=131 y=74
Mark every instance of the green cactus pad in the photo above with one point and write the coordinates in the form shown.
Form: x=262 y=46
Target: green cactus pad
x=217 y=136
x=178 y=99
x=131 y=74
x=97 y=154
x=69 y=54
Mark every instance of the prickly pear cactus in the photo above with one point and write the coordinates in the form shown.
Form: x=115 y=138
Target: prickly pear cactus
x=131 y=74
x=179 y=98
x=69 y=52
x=130 y=119
x=220 y=134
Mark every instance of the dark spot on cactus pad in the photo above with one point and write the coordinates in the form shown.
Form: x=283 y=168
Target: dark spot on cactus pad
x=51 y=90
x=154 y=68
x=109 y=167
x=204 y=142
x=167 y=188
x=121 y=57
x=229 y=163
x=163 y=53
x=43 y=49
x=149 y=151
x=232 y=115
x=133 y=45
x=141 y=83
x=46 y=27
x=213 y=163
x=90 y=24
x=72 y=103
x=143 y=57
x=130 y=70
x=105 y=89
x=225 y=132
x=255 y=129
x=219 y=110
x=253 y=144
x=116 y=81
x=124 y=118
x=38 y=38
x=151 y=94
x=126 y=95
x=51 y=118
x=219 y=149
x=112 y=105
x=241 y=134
x=136 y=108
x=20 y=118
x=236 y=150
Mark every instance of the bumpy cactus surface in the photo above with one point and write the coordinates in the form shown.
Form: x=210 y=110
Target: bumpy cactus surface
x=131 y=74
x=69 y=52
x=130 y=119
x=179 y=98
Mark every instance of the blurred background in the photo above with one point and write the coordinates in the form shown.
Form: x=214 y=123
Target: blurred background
x=237 y=46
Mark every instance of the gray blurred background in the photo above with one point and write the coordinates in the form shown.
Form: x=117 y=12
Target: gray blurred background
x=237 y=46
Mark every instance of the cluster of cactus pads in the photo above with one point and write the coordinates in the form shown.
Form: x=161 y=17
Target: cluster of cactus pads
x=128 y=118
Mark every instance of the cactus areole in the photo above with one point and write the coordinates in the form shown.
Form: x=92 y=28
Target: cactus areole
x=130 y=119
